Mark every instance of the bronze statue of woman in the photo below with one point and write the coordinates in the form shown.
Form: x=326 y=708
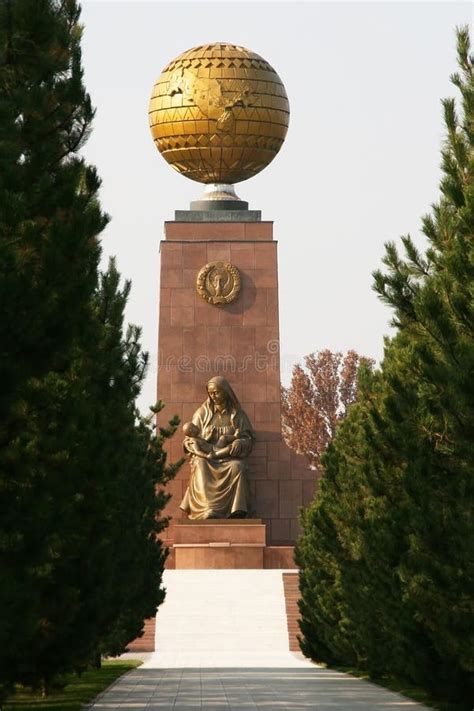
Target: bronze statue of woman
x=218 y=487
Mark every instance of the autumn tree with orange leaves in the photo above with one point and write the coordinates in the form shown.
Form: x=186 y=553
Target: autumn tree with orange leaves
x=317 y=400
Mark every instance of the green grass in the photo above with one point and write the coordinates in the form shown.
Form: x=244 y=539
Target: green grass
x=406 y=689
x=78 y=690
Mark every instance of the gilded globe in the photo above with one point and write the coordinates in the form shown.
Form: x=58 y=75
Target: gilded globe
x=219 y=113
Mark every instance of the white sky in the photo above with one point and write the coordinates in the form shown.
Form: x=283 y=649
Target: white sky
x=360 y=164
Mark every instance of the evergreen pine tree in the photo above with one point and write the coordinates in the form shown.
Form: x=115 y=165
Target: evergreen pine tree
x=50 y=216
x=130 y=462
x=387 y=563
x=79 y=470
x=431 y=296
x=49 y=222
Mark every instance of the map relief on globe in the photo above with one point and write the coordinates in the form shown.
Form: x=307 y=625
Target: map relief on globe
x=219 y=113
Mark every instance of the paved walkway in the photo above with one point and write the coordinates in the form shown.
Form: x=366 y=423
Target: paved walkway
x=222 y=643
x=236 y=689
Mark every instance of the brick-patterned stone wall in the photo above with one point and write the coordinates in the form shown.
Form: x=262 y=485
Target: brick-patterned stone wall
x=198 y=340
x=145 y=643
x=292 y=595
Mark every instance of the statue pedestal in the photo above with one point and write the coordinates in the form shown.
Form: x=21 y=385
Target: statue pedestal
x=226 y=543
x=219 y=543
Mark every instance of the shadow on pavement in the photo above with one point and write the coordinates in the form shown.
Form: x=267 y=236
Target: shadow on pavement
x=219 y=689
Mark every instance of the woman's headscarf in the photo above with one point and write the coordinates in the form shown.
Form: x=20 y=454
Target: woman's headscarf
x=204 y=414
x=223 y=384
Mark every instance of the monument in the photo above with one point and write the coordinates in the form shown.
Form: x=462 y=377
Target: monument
x=219 y=114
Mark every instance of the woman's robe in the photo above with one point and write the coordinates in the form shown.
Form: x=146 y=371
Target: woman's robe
x=219 y=488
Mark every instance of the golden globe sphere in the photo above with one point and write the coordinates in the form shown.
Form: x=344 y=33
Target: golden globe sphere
x=219 y=113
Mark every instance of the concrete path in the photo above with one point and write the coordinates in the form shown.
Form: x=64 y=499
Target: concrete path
x=222 y=643
x=236 y=689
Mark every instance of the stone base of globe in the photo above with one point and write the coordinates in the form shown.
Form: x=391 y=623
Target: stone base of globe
x=219 y=196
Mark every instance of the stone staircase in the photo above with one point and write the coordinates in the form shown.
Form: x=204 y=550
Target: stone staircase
x=223 y=618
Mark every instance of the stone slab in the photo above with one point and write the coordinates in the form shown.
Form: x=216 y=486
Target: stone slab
x=274 y=558
x=212 y=231
x=225 y=531
x=222 y=522
x=279 y=558
x=218 y=215
x=217 y=557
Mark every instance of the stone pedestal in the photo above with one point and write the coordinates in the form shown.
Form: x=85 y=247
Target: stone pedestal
x=247 y=531
x=224 y=543
x=240 y=341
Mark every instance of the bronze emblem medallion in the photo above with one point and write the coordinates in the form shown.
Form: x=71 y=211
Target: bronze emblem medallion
x=218 y=283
